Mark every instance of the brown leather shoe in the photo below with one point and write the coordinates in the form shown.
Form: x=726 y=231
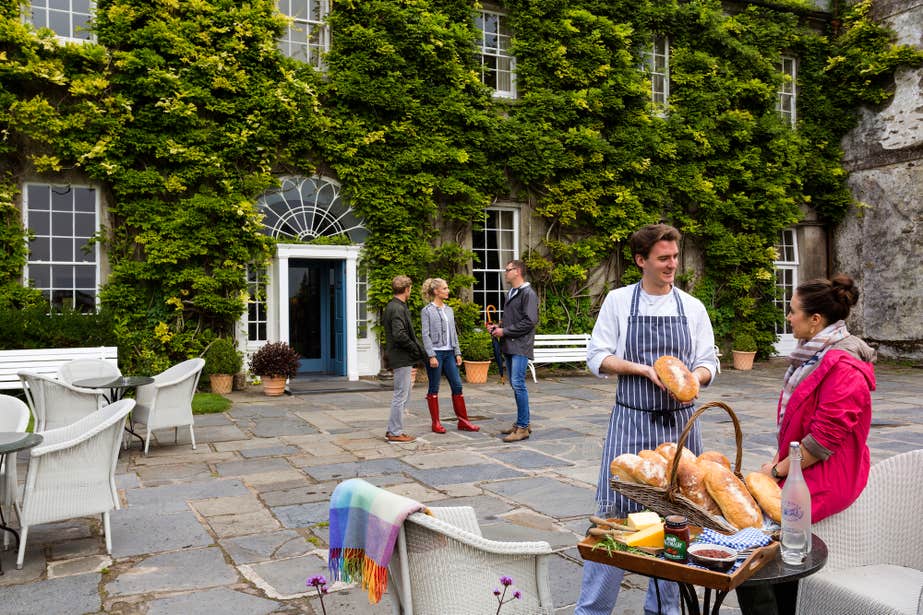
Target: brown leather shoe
x=399 y=439
x=519 y=433
x=512 y=428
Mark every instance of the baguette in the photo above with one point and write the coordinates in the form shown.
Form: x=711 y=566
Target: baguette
x=668 y=449
x=731 y=494
x=767 y=493
x=691 y=481
x=716 y=457
x=677 y=378
x=631 y=468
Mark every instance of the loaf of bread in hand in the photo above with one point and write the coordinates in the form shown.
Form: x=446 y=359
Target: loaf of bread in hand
x=668 y=449
x=767 y=493
x=731 y=494
x=716 y=457
x=631 y=468
x=677 y=378
x=691 y=481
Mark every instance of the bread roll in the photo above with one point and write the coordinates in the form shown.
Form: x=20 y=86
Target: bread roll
x=668 y=449
x=691 y=480
x=731 y=494
x=716 y=457
x=631 y=468
x=767 y=493
x=656 y=469
x=677 y=378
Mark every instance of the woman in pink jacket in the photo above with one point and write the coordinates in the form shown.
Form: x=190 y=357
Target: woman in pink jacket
x=826 y=405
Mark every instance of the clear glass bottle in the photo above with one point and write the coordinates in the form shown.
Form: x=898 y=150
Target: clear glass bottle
x=796 y=510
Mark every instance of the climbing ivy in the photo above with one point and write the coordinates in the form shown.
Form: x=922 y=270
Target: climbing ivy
x=185 y=112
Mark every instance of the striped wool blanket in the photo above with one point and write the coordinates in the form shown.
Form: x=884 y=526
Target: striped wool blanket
x=365 y=521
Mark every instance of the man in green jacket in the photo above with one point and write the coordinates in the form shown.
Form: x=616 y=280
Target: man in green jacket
x=403 y=351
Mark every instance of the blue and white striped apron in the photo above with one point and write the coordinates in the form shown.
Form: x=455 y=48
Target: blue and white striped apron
x=643 y=415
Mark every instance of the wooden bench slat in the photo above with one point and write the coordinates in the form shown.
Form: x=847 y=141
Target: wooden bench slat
x=46 y=361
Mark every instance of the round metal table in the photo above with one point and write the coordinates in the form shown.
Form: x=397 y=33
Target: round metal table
x=13 y=442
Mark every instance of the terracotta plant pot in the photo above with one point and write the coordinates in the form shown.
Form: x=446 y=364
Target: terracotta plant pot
x=476 y=371
x=273 y=386
x=221 y=383
x=743 y=360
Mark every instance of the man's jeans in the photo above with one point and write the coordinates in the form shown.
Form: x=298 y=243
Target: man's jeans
x=516 y=366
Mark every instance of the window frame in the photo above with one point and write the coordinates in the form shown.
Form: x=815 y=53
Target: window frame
x=788 y=267
x=481 y=270
x=498 y=52
x=71 y=36
x=787 y=101
x=313 y=53
x=54 y=266
x=659 y=49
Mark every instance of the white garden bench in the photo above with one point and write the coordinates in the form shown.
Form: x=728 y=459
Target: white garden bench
x=568 y=348
x=559 y=348
x=46 y=361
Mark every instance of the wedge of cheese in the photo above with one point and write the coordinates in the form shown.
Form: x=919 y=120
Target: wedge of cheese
x=651 y=536
x=641 y=520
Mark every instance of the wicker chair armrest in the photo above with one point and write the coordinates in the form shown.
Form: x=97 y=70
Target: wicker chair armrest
x=538 y=547
x=75 y=433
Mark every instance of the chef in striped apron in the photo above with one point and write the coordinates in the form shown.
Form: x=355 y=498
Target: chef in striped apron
x=637 y=325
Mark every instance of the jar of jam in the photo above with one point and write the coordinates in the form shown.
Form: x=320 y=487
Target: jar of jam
x=675 y=538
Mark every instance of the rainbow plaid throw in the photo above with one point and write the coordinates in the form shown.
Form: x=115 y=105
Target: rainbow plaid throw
x=364 y=523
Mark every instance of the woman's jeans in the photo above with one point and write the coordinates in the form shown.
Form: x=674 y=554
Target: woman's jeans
x=516 y=365
x=446 y=366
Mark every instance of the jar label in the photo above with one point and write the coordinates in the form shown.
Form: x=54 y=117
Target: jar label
x=674 y=548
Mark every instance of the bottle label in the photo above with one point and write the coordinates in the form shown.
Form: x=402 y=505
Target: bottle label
x=674 y=548
x=792 y=511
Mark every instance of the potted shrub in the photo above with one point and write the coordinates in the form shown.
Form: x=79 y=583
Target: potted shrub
x=222 y=361
x=744 y=350
x=477 y=350
x=274 y=363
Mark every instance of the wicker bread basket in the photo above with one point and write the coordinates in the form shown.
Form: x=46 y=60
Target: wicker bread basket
x=670 y=501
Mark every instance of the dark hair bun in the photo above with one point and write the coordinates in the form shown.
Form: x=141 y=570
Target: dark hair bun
x=845 y=290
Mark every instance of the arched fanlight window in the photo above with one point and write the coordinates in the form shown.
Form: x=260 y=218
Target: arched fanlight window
x=306 y=208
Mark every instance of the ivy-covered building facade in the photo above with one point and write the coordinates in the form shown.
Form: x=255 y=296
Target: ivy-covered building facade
x=263 y=169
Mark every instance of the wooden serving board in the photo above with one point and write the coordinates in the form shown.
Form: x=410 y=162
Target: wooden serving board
x=673 y=571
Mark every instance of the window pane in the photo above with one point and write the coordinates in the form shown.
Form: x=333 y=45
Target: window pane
x=62 y=249
x=83 y=251
x=39 y=222
x=84 y=276
x=38 y=197
x=62 y=223
x=84 y=225
x=40 y=275
x=62 y=275
x=40 y=249
x=85 y=200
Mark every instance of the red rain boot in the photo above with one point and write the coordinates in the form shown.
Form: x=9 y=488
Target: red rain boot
x=432 y=402
x=458 y=404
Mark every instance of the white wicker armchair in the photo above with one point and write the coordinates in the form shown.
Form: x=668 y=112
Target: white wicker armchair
x=14 y=416
x=168 y=401
x=875 y=564
x=442 y=564
x=55 y=403
x=72 y=472
x=80 y=369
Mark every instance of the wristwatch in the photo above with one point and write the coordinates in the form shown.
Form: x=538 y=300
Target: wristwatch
x=775 y=472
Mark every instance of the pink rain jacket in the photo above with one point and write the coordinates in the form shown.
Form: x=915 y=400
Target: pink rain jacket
x=834 y=404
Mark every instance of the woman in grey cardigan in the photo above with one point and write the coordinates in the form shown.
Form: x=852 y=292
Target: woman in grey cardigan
x=440 y=340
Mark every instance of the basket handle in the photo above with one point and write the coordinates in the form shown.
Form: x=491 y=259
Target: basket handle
x=673 y=486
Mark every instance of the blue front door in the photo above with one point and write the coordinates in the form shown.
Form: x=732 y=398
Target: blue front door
x=316 y=314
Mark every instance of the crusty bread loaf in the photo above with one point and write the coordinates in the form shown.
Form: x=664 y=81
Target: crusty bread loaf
x=691 y=481
x=657 y=468
x=716 y=457
x=668 y=449
x=731 y=494
x=677 y=378
x=767 y=493
x=631 y=468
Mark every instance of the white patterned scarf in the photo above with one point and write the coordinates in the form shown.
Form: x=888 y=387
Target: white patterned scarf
x=806 y=356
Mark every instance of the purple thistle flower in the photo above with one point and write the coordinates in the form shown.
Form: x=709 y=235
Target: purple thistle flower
x=517 y=594
x=496 y=592
x=316 y=581
x=506 y=581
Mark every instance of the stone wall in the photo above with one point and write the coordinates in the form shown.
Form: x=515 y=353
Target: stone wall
x=881 y=243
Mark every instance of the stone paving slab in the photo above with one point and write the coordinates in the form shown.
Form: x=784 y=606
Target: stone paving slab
x=72 y=594
x=141 y=531
x=267 y=546
x=176 y=571
x=219 y=600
